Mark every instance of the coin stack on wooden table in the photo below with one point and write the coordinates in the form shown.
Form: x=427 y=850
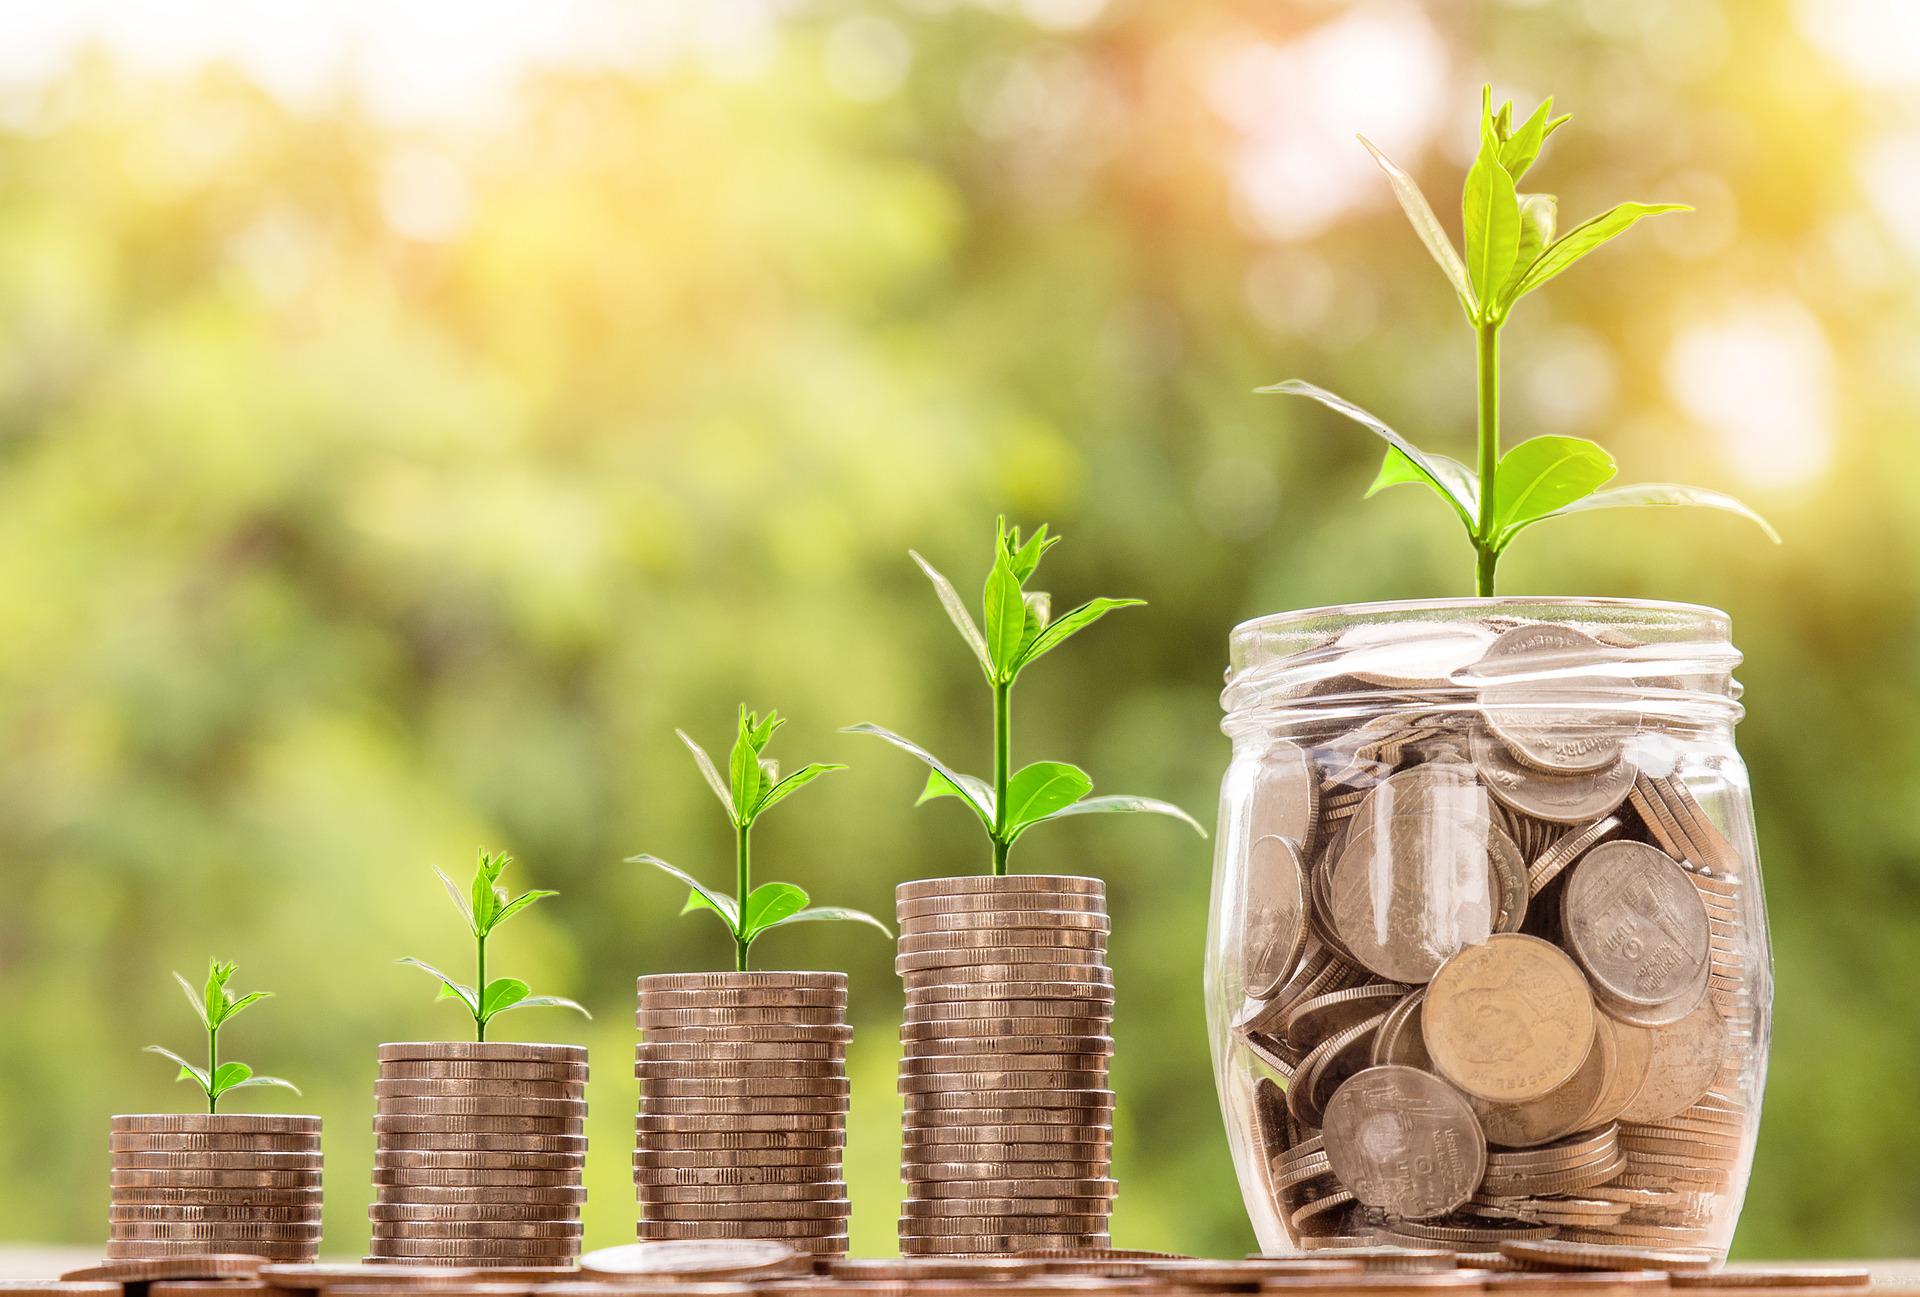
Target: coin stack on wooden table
x=1009 y=1011
x=227 y=1182
x=478 y=1152
x=1499 y=961
x=742 y=1125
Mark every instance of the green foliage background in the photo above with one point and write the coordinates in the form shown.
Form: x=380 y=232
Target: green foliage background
x=331 y=553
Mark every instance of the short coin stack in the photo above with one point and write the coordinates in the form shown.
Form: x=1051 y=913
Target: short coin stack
x=232 y=1182
x=478 y=1152
x=743 y=1108
x=1009 y=1010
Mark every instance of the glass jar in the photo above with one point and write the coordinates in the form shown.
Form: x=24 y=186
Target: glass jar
x=1487 y=955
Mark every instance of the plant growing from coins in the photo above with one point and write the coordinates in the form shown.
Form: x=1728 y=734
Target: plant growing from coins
x=1511 y=250
x=1018 y=631
x=215 y=1006
x=753 y=786
x=485 y=905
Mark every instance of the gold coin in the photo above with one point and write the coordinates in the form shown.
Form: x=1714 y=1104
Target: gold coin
x=996 y=920
x=1554 y=1254
x=1683 y=1060
x=487 y=1051
x=1509 y=1019
x=462 y=1140
x=1004 y=885
x=228 y=1179
x=213 y=1124
x=677 y=1123
x=197 y=1160
x=655 y=1001
x=838 y=1033
x=740 y=1229
x=155 y=1269
x=738 y=981
x=743 y=1209
x=189 y=1142
x=696 y=1260
x=385 y=1122
x=554 y=1195
x=649 y=1063
x=414 y=1087
x=483 y=1069
x=908 y=912
x=650 y=1020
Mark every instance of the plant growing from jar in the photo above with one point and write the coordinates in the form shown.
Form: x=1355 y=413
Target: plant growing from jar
x=1017 y=630
x=1512 y=249
x=752 y=787
x=485 y=904
x=215 y=1005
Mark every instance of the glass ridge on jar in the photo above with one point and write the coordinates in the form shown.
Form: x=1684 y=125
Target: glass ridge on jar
x=1487 y=954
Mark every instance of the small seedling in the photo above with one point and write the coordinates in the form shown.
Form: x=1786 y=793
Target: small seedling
x=752 y=787
x=215 y=1006
x=1019 y=632
x=485 y=906
x=1511 y=251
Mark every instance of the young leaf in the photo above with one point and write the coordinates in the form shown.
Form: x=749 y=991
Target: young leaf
x=1538 y=215
x=448 y=987
x=1491 y=212
x=743 y=766
x=792 y=784
x=188 y=1072
x=1397 y=470
x=279 y=1081
x=1005 y=616
x=1042 y=789
x=1521 y=147
x=484 y=899
x=1427 y=226
x=1650 y=495
x=502 y=993
x=707 y=771
x=1039 y=611
x=1446 y=483
x=216 y=989
x=246 y=1001
x=957 y=613
x=836 y=914
x=459 y=898
x=518 y=904
x=1585 y=238
x=1069 y=625
x=195 y=999
x=1543 y=474
x=1025 y=559
x=971 y=789
x=768 y=904
x=1126 y=804
x=719 y=902
x=228 y=1075
x=544 y=1002
x=957 y=780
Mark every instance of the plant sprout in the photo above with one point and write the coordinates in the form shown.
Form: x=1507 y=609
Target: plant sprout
x=215 y=1006
x=485 y=906
x=1019 y=632
x=753 y=786
x=1511 y=250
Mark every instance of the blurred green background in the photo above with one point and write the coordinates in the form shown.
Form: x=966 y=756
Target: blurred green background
x=410 y=414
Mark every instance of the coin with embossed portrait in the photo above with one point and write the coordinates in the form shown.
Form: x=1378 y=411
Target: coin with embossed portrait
x=1404 y=1141
x=1508 y=1020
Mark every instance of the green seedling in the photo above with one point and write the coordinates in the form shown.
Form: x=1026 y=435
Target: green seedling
x=485 y=906
x=1512 y=249
x=215 y=1006
x=753 y=786
x=1018 y=632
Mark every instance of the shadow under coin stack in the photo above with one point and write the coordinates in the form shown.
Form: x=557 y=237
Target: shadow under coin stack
x=1009 y=1011
x=230 y=1182
x=743 y=1108
x=478 y=1150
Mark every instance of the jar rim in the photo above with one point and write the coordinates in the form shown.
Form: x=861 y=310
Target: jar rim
x=1670 y=611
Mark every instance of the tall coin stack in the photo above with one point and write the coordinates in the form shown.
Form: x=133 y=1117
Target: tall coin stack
x=231 y=1182
x=743 y=1108
x=1009 y=1010
x=478 y=1150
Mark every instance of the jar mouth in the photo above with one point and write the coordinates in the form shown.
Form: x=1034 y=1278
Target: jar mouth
x=1591 y=655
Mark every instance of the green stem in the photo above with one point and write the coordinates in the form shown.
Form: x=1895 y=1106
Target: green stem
x=213 y=1068
x=1487 y=369
x=1002 y=745
x=743 y=883
x=480 y=984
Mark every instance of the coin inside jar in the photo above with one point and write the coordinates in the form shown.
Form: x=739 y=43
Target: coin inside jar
x=1404 y=1141
x=1549 y=716
x=1508 y=1020
x=1638 y=926
x=1276 y=922
x=1411 y=891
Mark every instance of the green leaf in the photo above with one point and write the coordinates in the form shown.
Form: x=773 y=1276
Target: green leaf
x=743 y=766
x=1042 y=789
x=957 y=613
x=484 y=899
x=459 y=899
x=1585 y=238
x=1024 y=558
x=228 y=1075
x=188 y=1072
x=279 y=1081
x=1491 y=213
x=957 y=780
x=216 y=989
x=1005 y=617
x=1520 y=148
x=1544 y=474
x=1446 y=482
x=768 y=904
x=195 y=999
x=518 y=904
x=1069 y=625
x=971 y=789
x=836 y=914
x=719 y=902
x=1396 y=470
x=1039 y=611
x=502 y=993
x=792 y=784
x=1539 y=214
x=1655 y=495
x=1427 y=226
x=1126 y=804
x=707 y=771
x=246 y=1001
x=545 y=1002
x=448 y=987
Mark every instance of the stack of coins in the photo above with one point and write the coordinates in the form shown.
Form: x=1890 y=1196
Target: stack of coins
x=1502 y=970
x=1009 y=1121
x=478 y=1150
x=743 y=1108
x=200 y=1183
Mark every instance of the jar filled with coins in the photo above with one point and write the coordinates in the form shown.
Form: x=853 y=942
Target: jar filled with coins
x=1487 y=957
